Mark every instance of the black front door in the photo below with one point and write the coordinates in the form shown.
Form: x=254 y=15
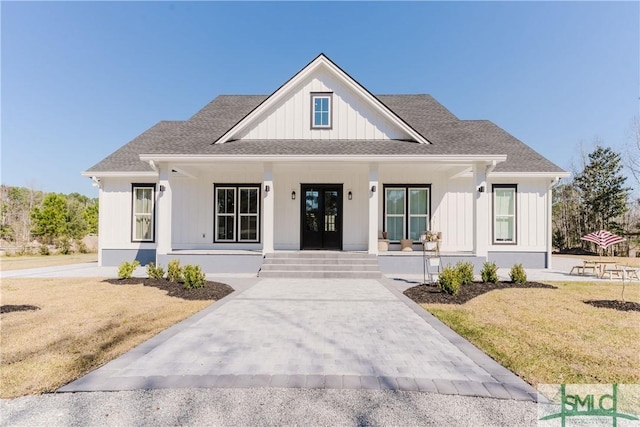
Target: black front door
x=321 y=215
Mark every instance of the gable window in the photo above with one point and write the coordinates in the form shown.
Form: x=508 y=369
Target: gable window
x=237 y=213
x=321 y=110
x=504 y=213
x=406 y=211
x=143 y=215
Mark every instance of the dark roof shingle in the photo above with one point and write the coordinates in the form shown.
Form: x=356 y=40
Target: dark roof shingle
x=448 y=135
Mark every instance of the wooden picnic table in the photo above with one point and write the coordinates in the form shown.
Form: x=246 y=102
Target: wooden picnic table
x=602 y=266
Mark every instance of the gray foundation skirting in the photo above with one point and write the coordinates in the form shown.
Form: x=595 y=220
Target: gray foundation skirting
x=114 y=257
x=218 y=263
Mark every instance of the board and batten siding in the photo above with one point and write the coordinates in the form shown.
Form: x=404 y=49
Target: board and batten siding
x=352 y=117
x=451 y=201
x=192 y=223
x=289 y=177
x=532 y=228
x=115 y=215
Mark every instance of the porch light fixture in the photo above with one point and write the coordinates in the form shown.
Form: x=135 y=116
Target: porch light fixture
x=162 y=188
x=373 y=188
x=481 y=189
x=267 y=188
x=350 y=195
x=293 y=194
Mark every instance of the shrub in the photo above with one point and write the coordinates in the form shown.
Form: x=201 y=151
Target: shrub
x=64 y=245
x=517 y=274
x=465 y=272
x=193 y=277
x=126 y=269
x=44 y=250
x=155 y=272
x=489 y=272
x=82 y=247
x=449 y=281
x=174 y=271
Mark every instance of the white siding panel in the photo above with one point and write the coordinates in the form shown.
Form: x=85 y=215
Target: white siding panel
x=353 y=118
x=532 y=228
x=116 y=216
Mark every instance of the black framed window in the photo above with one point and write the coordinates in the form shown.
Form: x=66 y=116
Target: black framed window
x=504 y=213
x=143 y=212
x=406 y=210
x=237 y=213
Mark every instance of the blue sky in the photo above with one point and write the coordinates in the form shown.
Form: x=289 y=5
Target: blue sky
x=79 y=80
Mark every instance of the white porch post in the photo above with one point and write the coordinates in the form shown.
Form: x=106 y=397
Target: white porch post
x=373 y=208
x=268 y=209
x=481 y=211
x=550 y=223
x=163 y=211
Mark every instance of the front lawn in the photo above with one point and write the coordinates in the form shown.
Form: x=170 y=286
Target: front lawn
x=552 y=335
x=56 y=330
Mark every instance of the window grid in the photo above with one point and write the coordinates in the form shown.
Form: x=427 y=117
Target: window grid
x=237 y=213
x=504 y=213
x=414 y=220
x=142 y=212
x=321 y=110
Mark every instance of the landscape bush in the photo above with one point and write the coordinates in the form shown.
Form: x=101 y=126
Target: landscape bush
x=174 y=271
x=517 y=274
x=489 y=272
x=193 y=277
x=126 y=269
x=155 y=272
x=82 y=247
x=465 y=272
x=44 y=250
x=449 y=280
x=64 y=245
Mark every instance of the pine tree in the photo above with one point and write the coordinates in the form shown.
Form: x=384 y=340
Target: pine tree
x=603 y=196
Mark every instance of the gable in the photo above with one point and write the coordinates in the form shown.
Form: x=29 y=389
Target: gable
x=356 y=113
x=351 y=116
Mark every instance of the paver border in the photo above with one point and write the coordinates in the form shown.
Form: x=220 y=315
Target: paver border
x=503 y=383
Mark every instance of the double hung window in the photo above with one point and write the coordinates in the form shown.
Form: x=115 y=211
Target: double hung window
x=406 y=211
x=504 y=213
x=143 y=212
x=237 y=213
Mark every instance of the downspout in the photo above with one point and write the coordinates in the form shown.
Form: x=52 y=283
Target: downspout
x=554 y=181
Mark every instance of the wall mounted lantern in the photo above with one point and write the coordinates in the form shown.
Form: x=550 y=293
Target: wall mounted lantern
x=293 y=194
x=350 y=195
x=481 y=189
x=373 y=188
x=267 y=188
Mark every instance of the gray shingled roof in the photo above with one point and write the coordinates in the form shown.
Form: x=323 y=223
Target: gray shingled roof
x=448 y=135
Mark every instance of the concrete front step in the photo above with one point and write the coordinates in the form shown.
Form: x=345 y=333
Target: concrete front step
x=321 y=274
x=321 y=261
x=320 y=264
x=319 y=267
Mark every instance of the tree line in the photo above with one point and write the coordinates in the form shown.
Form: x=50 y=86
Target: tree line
x=597 y=197
x=48 y=218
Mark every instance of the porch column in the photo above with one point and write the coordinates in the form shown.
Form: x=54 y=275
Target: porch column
x=373 y=189
x=268 y=192
x=481 y=211
x=163 y=211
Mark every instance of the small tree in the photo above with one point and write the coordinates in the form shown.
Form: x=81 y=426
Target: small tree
x=602 y=191
x=50 y=220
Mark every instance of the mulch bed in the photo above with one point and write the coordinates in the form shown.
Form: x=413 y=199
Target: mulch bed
x=12 y=308
x=616 y=305
x=210 y=291
x=431 y=294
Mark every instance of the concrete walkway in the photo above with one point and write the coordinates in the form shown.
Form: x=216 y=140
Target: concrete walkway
x=311 y=333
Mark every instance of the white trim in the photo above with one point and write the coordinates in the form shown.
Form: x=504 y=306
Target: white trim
x=119 y=174
x=320 y=61
x=553 y=175
x=415 y=158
